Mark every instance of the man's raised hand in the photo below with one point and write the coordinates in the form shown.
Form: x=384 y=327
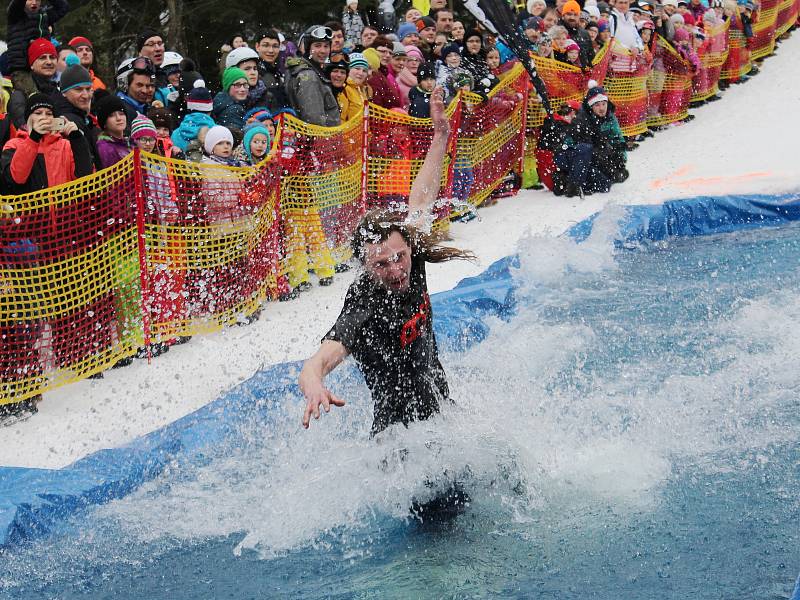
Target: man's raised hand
x=441 y=124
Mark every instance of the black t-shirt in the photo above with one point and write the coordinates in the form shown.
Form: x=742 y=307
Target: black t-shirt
x=390 y=335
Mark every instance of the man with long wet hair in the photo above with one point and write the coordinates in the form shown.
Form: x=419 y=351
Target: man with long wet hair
x=386 y=322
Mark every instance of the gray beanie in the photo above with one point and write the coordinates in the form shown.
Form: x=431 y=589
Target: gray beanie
x=74 y=75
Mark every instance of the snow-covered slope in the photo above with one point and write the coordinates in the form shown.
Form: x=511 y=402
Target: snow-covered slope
x=745 y=143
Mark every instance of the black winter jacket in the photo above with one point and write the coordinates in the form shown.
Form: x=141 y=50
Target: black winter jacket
x=23 y=28
x=420 y=106
x=272 y=76
x=583 y=40
x=84 y=122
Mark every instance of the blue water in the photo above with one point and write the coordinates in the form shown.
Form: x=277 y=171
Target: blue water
x=631 y=433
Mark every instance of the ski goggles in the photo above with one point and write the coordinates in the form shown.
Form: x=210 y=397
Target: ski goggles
x=143 y=65
x=321 y=34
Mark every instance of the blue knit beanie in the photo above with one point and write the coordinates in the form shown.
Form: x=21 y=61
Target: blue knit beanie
x=250 y=131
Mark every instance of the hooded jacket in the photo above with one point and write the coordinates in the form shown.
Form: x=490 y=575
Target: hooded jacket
x=310 y=95
x=603 y=133
x=35 y=162
x=384 y=93
x=24 y=27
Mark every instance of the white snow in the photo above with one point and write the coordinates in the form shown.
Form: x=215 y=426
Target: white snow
x=745 y=143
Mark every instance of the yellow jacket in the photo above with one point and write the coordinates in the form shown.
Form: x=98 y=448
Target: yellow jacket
x=351 y=100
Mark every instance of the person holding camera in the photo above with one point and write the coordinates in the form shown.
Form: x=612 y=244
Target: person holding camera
x=50 y=152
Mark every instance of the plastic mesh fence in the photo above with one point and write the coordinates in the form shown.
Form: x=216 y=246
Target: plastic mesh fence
x=490 y=140
x=762 y=43
x=626 y=86
x=712 y=53
x=321 y=195
x=396 y=150
x=70 y=295
x=787 y=16
x=212 y=244
x=738 y=62
x=669 y=86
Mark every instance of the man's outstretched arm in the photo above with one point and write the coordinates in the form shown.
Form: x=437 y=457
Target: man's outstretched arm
x=425 y=188
x=312 y=379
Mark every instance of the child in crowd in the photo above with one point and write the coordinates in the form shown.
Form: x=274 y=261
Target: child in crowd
x=144 y=134
x=450 y=61
x=683 y=44
x=545 y=47
x=493 y=61
x=188 y=138
x=420 y=96
x=573 y=54
x=218 y=145
x=255 y=145
x=112 y=145
x=28 y=20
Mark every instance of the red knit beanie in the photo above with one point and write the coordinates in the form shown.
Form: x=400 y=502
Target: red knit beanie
x=39 y=47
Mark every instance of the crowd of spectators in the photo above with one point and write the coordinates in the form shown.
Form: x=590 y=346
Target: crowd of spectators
x=61 y=122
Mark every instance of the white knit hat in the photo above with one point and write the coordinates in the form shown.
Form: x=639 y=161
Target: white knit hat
x=215 y=135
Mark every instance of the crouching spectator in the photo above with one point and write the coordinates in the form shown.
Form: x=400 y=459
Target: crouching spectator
x=51 y=152
x=595 y=155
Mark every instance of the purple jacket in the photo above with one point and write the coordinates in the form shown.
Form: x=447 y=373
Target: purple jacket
x=112 y=150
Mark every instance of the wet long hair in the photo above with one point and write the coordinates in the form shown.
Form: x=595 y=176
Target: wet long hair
x=377 y=225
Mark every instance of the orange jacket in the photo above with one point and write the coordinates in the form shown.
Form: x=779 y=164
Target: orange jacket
x=29 y=165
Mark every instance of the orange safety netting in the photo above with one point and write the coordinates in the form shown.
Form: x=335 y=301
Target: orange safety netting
x=70 y=289
x=321 y=195
x=713 y=53
x=626 y=86
x=738 y=62
x=763 y=41
x=490 y=140
x=669 y=86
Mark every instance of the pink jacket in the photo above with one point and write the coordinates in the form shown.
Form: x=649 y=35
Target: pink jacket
x=406 y=81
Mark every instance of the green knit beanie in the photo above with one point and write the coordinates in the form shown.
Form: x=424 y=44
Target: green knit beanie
x=231 y=76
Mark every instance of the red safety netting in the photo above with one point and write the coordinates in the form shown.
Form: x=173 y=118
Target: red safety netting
x=626 y=86
x=763 y=41
x=788 y=12
x=213 y=244
x=396 y=148
x=738 y=62
x=490 y=140
x=713 y=53
x=70 y=301
x=669 y=86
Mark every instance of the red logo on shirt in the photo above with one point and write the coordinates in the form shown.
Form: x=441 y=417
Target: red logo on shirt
x=415 y=326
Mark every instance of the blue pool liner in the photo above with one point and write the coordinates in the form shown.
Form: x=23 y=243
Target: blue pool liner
x=33 y=501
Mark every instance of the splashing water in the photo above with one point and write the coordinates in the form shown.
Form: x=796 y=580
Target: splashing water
x=629 y=428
